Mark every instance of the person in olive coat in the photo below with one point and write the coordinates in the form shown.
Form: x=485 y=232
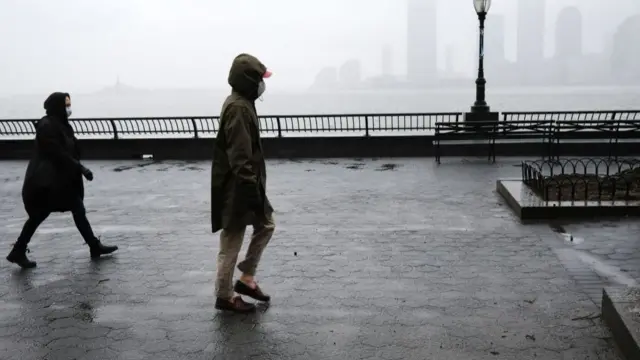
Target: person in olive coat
x=238 y=187
x=53 y=181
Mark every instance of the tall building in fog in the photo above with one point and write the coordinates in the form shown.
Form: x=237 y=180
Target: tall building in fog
x=386 y=61
x=625 y=54
x=531 y=30
x=350 y=73
x=326 y=78
x=569 y=33
x=422 y=50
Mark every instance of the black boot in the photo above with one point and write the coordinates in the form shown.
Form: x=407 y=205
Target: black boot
x=18 y=255
x=97 y=249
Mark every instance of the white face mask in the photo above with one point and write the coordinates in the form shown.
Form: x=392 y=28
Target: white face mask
x=69 y=111
x=261 y=88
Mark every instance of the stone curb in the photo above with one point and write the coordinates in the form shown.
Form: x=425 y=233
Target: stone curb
x=620 y=311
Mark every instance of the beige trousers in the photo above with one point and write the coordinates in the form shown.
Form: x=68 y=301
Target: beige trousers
x=230 y=245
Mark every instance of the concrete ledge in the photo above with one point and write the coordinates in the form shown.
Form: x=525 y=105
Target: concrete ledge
x=201 y=149
x=529 y=206
x=310 y=147
x=621 y=313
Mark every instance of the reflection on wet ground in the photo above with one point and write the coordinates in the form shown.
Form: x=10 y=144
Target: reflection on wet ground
x=372 y=259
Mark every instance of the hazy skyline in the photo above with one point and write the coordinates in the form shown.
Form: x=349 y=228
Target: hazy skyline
x=83 y=45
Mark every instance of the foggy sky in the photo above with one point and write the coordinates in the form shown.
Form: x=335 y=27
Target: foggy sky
x=84 y=45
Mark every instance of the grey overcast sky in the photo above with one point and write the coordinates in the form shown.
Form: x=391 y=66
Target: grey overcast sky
x=83 y=45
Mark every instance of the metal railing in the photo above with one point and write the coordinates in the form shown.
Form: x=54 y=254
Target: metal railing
x=583 y=179
x=270 y=126
x=614 y=126
x=576 y=116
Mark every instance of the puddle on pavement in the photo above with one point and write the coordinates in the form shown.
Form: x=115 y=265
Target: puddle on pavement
x=323 y=312
x=567 y=237
x=41 y=281
x=387 y=228
x=200 y=273
x=192 y=168
x=125 y=228
x=13 y=223
x=135 y=166
x=9 y=309
x=56 y=230
x=388 y=167
x=356 y=166
x=132 y=312
x=611 y=273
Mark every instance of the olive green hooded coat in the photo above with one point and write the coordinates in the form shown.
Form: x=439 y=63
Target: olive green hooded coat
x=238 y=174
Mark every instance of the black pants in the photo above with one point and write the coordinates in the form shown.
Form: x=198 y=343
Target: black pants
x=79 y=217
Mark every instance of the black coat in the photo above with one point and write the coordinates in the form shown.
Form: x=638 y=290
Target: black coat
x=53 y=181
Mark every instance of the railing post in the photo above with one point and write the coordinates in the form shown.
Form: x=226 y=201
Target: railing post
x=195 y=128
x=279 y=126
x=366 y=125
x=613 y=143
x=115 y=130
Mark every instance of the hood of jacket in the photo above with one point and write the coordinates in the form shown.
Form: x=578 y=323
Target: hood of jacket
x=245 y=75
x=56 y=107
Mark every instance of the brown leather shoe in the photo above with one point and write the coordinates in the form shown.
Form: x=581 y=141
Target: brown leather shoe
x=236 y=304
x=257 y=294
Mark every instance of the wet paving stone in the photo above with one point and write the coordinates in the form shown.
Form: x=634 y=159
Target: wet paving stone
x=414 y=262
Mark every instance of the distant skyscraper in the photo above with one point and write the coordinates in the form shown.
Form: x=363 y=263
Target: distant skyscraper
x=350 y=73
x=326 y=78
x=531 y=30
x=531 y=23
x=386 y=61
x=569 y=33
x=422 y=48
x=625 y=54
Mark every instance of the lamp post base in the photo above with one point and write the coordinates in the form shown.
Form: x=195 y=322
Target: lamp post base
x=475 y=116
x=480 y=109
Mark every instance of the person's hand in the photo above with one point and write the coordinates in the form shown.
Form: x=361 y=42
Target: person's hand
x=87 y=173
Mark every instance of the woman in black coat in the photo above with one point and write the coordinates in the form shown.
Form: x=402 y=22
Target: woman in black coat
x=53 y=182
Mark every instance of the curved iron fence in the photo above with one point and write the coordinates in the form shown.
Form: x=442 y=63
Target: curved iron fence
x=583 y=179
x=270 y=126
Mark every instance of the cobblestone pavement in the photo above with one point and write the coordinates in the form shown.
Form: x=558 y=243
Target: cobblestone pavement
x=372 y=259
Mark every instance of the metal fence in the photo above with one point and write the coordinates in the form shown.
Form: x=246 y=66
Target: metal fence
x=270 y=126
x=583 y=179
x=626 y=123
x=577 y=116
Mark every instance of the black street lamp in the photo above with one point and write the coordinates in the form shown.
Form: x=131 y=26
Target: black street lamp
x=480 y=111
